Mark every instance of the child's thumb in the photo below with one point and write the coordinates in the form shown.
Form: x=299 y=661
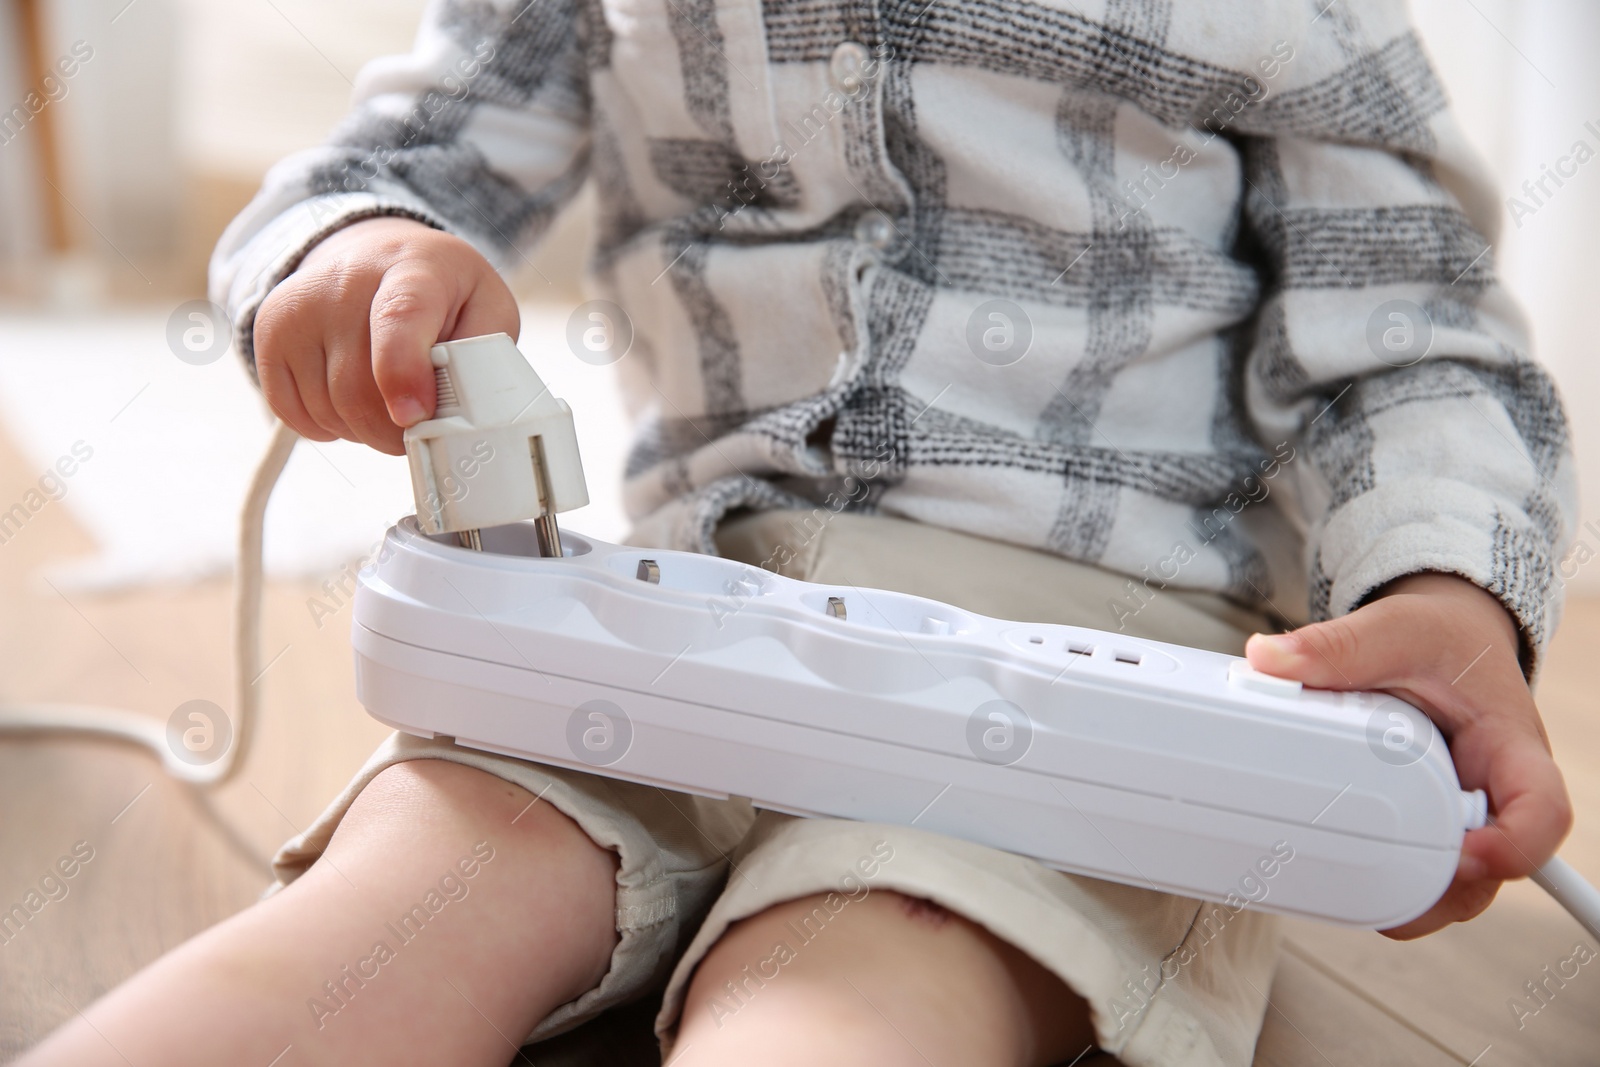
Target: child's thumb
x=408 y=315
x=1355 y=651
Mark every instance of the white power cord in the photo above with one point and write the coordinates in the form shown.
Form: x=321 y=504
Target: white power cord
x=117 y=724
x=1572 y=892
x=474 y=357
x=488 y=396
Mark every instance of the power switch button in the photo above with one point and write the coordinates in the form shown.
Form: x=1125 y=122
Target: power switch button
x=1242 y=676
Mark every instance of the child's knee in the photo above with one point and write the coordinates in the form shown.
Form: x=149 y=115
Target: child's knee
x=431 y=788
x=437 y=802
x=884 y=956
x=521 y=882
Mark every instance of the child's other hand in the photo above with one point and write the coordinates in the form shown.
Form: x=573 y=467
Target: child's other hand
x=342 y=343
x=1450 y=648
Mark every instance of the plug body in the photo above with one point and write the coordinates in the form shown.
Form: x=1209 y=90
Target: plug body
x=499 y=448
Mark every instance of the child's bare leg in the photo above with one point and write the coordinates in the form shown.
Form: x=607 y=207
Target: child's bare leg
x=890 y=981
x=532 y=928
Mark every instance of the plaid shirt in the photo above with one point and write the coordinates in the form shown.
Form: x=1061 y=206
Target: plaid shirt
x=1201 y=292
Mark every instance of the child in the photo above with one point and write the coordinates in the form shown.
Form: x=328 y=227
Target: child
x=1171 y=317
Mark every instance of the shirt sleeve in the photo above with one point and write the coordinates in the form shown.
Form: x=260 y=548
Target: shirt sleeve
x=1385 y=347
x=481 y=130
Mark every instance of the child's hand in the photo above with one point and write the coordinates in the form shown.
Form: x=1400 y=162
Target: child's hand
x=342 y=343
x=1450 y=648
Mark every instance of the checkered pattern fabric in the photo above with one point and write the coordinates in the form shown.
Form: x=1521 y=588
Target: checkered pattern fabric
x=1201 y=292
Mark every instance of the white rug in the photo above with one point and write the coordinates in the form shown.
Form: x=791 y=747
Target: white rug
x=173 y=447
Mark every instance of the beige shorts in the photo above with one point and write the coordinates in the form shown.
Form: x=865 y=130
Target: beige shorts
x=1169 y=980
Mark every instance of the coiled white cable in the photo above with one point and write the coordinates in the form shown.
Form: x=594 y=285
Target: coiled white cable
x=118 y=724
x=1556 y=877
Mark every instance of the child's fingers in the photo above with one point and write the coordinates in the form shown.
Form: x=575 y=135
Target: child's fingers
x=283 y=328
x=410 y=311
x=1424 y=643
x=1532 y=813
x=1362 y=650
x=418 y=305
x=1461 y=902
x=277 y=385
x=489 y=308
x=302 y=322
x=1452 y=654
x=305 y=358
x=413 y=309
x=354 y=390
x=311 y=386
x=1531 y=817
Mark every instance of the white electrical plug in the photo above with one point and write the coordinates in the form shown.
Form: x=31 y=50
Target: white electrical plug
x=499 y=448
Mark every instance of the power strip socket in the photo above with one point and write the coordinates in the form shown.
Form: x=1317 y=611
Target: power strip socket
x=1141 y=762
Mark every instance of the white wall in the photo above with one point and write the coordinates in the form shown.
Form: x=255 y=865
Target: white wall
x=261 y=80
x=176 y=86
x=117 y=124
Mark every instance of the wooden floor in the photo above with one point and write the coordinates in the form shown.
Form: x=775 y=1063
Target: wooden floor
x=167 y=863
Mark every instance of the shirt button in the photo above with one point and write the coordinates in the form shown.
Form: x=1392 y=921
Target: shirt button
x=845 y=67
x=875 y=229
x=841 y=369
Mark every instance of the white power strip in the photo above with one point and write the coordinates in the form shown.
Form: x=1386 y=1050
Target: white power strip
x=1137 y=761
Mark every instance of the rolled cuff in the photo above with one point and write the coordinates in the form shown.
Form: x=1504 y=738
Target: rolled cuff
x=1421 y=525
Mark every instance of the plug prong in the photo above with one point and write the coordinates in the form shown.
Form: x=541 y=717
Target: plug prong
x=470 y=539
x=549 y=535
